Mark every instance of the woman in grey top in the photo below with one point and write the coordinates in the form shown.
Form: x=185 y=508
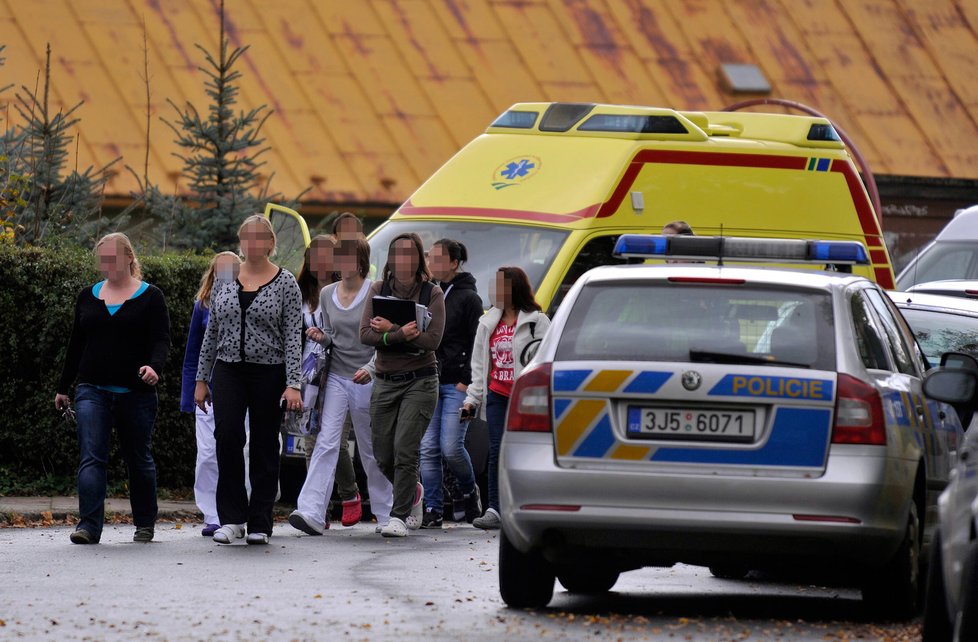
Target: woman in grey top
x=348 y=389
x=253 y=347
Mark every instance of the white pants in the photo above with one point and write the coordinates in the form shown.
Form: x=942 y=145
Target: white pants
x=205 y=476
x=342 y=396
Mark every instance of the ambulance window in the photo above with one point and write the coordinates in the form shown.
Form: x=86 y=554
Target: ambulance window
x=595 y=253
x=898 y=345
x=867 y=334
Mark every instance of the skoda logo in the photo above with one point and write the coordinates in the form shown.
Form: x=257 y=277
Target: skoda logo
x=692 y=380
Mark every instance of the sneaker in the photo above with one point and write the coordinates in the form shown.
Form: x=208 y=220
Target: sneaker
x=473 y=505
x=432 y=519
x=143 y=534
x=395 y=528
x=81 y=536
x=302 y=523
x=413 y=520
x=488 y=522
x=228 y=533
x=209 y=529
x=258 y=539
x=352 y=511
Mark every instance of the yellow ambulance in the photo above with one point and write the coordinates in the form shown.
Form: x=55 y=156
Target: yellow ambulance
x=550 y=187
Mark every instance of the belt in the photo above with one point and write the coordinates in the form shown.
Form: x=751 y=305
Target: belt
x=430 y=371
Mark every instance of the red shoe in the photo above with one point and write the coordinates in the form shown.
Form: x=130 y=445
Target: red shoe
x=352 y=511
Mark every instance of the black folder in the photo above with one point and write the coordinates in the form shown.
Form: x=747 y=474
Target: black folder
x=397 y=311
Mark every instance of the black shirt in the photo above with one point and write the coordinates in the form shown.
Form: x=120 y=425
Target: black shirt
x=109 y=349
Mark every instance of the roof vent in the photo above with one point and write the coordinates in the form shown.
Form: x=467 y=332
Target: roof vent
x=560 y=117
x=744 y=78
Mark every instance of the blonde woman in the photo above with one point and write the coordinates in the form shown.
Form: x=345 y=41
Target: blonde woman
x=252 y=355
x=118 y=345
x=223 y=270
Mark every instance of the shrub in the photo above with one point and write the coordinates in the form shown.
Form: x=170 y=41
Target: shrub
x=38 y=449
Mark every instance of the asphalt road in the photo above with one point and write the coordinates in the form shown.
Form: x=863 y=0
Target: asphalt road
x=352 y=584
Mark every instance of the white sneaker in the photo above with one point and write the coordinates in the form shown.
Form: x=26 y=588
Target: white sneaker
x=414 y=520
x=259 y=539
x=380 y=528
x=228 y=533
x=394 y=528
x=489 y=522
x=300 y=522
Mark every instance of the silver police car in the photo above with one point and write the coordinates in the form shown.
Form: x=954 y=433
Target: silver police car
x=731 y=417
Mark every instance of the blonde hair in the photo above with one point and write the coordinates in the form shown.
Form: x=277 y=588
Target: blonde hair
x=135 y=270
x=258 y=218
x=207 y=281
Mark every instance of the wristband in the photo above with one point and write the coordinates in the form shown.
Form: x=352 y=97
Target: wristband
x=385 y=338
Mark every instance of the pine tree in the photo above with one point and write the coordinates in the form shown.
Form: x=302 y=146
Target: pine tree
x=220 y=154
x=43 y=204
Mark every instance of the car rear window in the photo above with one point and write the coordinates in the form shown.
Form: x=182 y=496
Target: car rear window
x=655 y=321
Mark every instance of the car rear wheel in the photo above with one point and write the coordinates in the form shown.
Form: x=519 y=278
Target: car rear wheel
x=967 y=620
x=893 y=592
x=588 y=579
x=729 y=571
x=937 y=624
x=526 y=580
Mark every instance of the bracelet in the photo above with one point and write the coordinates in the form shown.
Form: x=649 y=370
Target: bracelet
x=385 y=338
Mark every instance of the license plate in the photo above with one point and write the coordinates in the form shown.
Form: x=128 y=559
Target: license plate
x=690 y=425
x=295 y=445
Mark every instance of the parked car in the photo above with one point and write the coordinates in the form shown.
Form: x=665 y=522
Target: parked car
x=941 y=323
x=952 y=255
x=951 y=611
x=661 y=422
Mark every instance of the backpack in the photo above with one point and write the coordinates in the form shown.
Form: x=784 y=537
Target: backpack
x=424 y=298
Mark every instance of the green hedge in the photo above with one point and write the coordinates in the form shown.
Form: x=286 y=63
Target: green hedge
x=38 y=450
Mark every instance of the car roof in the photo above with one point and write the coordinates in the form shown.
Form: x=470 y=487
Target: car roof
x=958 y=286
x=755 y=275
x=934 y=303
x=964 y=226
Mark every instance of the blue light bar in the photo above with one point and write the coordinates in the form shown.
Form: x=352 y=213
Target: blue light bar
x=730 y=248
x=640 y=245
x=839 y=252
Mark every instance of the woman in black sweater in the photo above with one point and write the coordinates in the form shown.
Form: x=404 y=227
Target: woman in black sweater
x=118 y=345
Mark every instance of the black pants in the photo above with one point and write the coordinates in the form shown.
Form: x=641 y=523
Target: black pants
x=257 y=389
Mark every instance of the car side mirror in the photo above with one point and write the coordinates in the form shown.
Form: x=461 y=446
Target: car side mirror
x=955 y=386
x=959 y=360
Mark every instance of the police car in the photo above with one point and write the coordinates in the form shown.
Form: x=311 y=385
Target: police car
x=732 y=417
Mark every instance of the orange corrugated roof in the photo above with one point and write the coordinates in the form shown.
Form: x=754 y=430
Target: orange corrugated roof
x=370 y=97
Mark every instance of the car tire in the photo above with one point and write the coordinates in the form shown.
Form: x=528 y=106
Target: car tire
x=526 y=580
x=893 y=592
x=967 y=618
x=588 y=579
x=937 y=623
x=729 y=571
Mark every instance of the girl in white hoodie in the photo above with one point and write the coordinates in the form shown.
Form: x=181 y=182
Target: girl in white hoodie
x=505 y=341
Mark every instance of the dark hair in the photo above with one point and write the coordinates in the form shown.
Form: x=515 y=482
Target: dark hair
x=308 y=283
x=682 y=228
x=519 y=282
x=422 y=274
x=343 y=216
x=456 y=250
x=359 y=249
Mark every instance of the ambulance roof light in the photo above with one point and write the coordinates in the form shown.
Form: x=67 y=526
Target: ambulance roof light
x=733 y=248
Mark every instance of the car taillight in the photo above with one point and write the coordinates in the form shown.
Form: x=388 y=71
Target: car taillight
x=529 y=405
x=858 y=414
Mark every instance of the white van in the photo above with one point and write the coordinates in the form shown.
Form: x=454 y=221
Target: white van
x=952 y=255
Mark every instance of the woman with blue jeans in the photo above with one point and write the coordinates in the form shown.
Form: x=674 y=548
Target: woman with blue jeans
x=118 y=345
x=445 y=436
x=504 y=343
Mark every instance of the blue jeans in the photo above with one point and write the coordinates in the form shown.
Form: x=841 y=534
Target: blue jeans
x=496 y=419
x=445 y=437
x=133 y=415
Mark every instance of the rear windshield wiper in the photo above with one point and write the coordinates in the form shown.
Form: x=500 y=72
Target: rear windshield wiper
x=705 y=356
